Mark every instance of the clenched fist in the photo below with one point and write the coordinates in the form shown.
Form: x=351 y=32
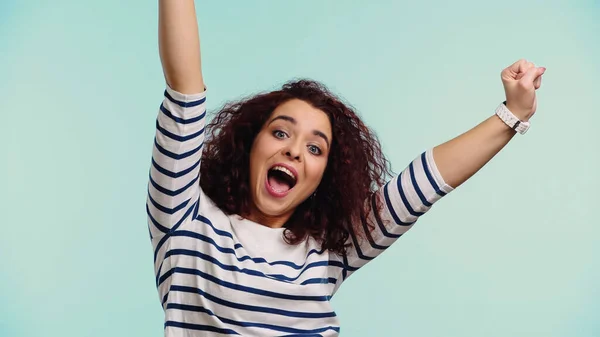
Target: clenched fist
x=520 y=81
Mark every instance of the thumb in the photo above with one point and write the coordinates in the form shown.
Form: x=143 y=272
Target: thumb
x=532 y=74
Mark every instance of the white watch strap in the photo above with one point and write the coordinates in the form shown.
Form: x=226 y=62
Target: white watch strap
x=511 y=120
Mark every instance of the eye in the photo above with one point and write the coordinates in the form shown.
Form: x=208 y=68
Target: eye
x=314 y=150
x=279 y=134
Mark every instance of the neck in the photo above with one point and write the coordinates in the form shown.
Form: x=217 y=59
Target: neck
x=259 y=217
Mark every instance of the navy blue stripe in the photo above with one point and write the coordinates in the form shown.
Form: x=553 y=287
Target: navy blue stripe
x=405 y=201
x=217 y=231
x=174 y=228
x=258 y=259
x=178 y=138
x=166 y=209
x=179 y=119
x=157 y=276
x=231 y=267
x=348 y=267
x=164 y=299
x=154 y=222
x=358 y=250
x=197 y=206
x=335 y=263
x=176 y=156
x=243 y=288
x=435 y=186
x=331 y=280
x=391 y=208
x=249 y=324
x=368 y=235
x=159 y=245
x=184 y=104
x=214 y=261
x=345 y=270
x=380 y=222
x=247 y=271
x=199 y=327
x=227 y=250
x=416 y=186
x=174 y=174
x=254 y=308
x=169 y=192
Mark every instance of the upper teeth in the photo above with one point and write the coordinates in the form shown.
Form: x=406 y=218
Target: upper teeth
x=285 y=170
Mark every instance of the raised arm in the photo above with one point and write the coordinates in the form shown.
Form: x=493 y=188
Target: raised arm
x=461 y=157
x=173 y=189
x=179 y=46
x=439 y=170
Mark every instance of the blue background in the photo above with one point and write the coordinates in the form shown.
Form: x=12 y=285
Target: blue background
x=513 y=252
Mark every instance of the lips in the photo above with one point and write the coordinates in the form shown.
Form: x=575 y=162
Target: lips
x=281 y=179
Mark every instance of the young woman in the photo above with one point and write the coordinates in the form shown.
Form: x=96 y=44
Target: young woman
x=255 y=229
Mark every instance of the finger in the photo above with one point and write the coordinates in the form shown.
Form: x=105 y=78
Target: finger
x=511 y=72
x=537 y=83
x=529 y=65
x=525 y=66
x=517 y=66
x=524 y=70
x=533 y=74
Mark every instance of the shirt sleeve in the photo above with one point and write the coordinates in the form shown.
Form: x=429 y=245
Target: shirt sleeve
x=404 y=199
x=173 y=188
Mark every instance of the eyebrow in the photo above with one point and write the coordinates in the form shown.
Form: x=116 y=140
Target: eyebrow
x=293 y=121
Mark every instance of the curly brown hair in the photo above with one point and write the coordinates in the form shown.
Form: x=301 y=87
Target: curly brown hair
x=356 y=166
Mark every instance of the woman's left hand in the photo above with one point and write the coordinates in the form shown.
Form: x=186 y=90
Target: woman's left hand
x=520 y=81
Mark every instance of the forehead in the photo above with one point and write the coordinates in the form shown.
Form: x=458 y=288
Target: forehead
x=306 y=116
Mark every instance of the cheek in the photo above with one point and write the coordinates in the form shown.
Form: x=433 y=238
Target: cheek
x=257 y=151
x=315 y=170
x=263 y=146
x=262 y=150
x=255 y=160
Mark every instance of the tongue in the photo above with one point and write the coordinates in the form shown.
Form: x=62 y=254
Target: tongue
x=279 y=185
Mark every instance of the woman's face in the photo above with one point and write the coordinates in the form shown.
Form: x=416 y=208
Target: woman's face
x=287 y=161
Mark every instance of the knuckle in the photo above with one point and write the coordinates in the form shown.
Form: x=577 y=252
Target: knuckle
x=523 y=84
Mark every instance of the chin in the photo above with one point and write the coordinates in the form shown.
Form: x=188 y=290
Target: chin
x=272 y=208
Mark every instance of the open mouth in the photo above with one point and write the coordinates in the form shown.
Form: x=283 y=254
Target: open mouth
x=281 y=179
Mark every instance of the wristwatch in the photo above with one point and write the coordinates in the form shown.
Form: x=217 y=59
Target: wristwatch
x=511 y=120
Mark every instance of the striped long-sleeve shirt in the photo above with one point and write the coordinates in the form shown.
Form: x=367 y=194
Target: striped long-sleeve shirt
x=220 y=274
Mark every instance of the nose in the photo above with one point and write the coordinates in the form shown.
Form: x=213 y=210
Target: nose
x=293 y=152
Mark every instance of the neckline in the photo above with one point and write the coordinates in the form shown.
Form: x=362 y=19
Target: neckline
x=238 y=219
